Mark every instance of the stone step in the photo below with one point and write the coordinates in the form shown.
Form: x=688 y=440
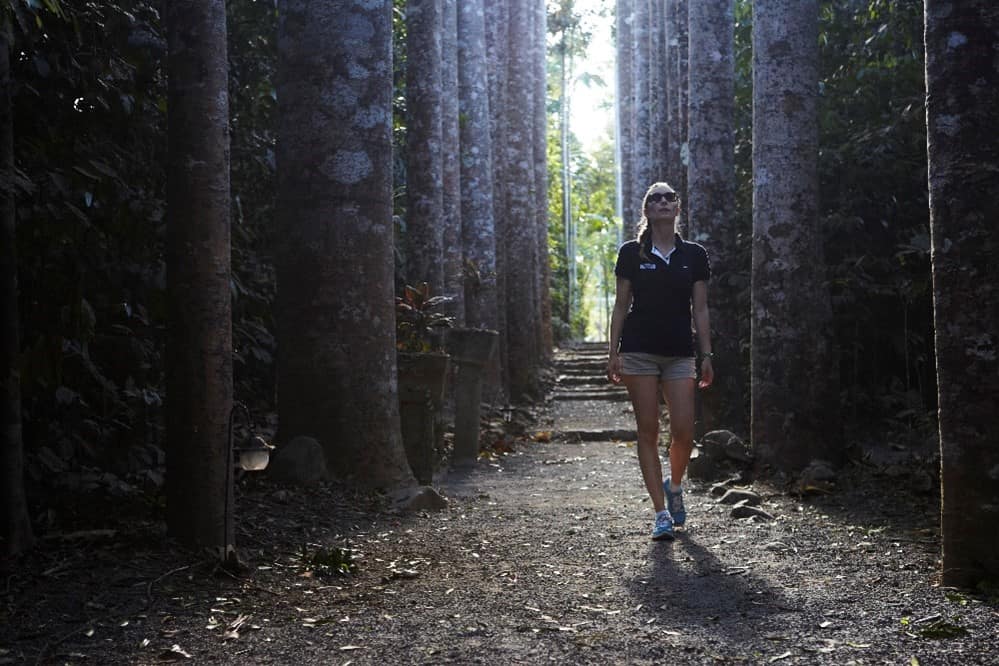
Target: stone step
x=598 y=435
x=599 y=384
x=600 y=362
x=589 y=369
x=617 y=396
x=581 y=380
x=571 y=353
x=582 y=346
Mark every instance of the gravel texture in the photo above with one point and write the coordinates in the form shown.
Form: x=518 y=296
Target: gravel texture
x=542 y=556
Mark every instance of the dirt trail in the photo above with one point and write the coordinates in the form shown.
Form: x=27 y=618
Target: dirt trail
x=542 y=556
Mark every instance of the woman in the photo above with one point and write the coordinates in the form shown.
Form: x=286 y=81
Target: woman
x=661 y=280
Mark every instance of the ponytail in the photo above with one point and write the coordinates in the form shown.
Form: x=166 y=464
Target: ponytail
x=644 y=239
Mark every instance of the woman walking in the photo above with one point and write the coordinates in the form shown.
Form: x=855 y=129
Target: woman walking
x=662 y=281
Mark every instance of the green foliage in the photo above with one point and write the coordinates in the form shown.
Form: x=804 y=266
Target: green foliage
x=875 y=207
x=592 y=201
x=592 y=190
x=252 y=41
x=89 y=110
x=399 y=107
x=89 y=107
x=418 y=320
x=934 y=628
x=873 y=204
x=89 y=121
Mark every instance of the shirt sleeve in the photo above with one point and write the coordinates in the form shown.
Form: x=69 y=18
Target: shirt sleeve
x=702 y=267
x=625 y=267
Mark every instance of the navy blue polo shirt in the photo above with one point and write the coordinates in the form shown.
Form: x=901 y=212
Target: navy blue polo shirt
x=659 y=321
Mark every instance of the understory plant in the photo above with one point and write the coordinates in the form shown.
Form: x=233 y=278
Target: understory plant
x=419 y=320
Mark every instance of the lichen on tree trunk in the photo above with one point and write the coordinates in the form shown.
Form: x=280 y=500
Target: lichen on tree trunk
x=711 y=202
x=454 y=286
x=424 y=165
x=520 y=233
x=794 y=379
x=625 y=113
x=477 y=219
x=335 y=317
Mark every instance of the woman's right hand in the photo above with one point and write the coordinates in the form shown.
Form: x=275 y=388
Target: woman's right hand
x=614 y=368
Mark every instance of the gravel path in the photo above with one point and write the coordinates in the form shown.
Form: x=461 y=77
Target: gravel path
x=542 y=556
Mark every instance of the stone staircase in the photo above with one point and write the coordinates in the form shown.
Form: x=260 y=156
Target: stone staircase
x=586 y=406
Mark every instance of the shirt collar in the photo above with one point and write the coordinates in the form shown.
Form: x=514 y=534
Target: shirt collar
x=677 y=245
x=664 y=257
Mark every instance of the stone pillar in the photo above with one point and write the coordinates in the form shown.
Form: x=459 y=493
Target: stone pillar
x=422 y=377
x=472 y=349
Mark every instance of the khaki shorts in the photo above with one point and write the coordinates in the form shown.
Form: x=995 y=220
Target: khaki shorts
x=666 y=367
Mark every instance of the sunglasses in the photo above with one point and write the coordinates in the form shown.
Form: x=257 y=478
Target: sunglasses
x=669 y=197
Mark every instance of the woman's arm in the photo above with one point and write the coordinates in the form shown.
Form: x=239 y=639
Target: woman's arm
x=702 y=323
x=622 y=302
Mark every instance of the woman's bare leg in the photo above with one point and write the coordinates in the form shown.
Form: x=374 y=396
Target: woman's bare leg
x=644 y=393
x=679 y=394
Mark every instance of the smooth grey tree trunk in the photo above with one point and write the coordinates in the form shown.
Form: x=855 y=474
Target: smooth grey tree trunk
x=520 y=231
x=962 y=80
x=659 y=141
x=673 y=163
x=477 y=220
x=15 y=525
x=335 y=300
x=625 y=114
x=794 y=414
x=568 y=218
x=642 y=118
x=711 y=114
x=199 y=343
x=498 y=58
x=679 y=88
x=711 y=198
x=540 y=82
x=454 y=284
x=424 y=166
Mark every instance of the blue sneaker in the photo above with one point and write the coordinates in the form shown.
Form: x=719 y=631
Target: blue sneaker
x=663 y=531
x=674 y=502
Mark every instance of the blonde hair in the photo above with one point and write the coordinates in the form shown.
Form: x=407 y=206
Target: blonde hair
x=644 y=231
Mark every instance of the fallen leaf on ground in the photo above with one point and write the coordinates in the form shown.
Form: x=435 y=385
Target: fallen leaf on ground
x=175 y=653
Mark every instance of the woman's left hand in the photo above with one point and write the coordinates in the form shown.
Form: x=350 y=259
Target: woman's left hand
x=707 y=373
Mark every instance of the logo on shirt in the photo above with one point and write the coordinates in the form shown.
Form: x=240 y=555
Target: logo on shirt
x=647 y=267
